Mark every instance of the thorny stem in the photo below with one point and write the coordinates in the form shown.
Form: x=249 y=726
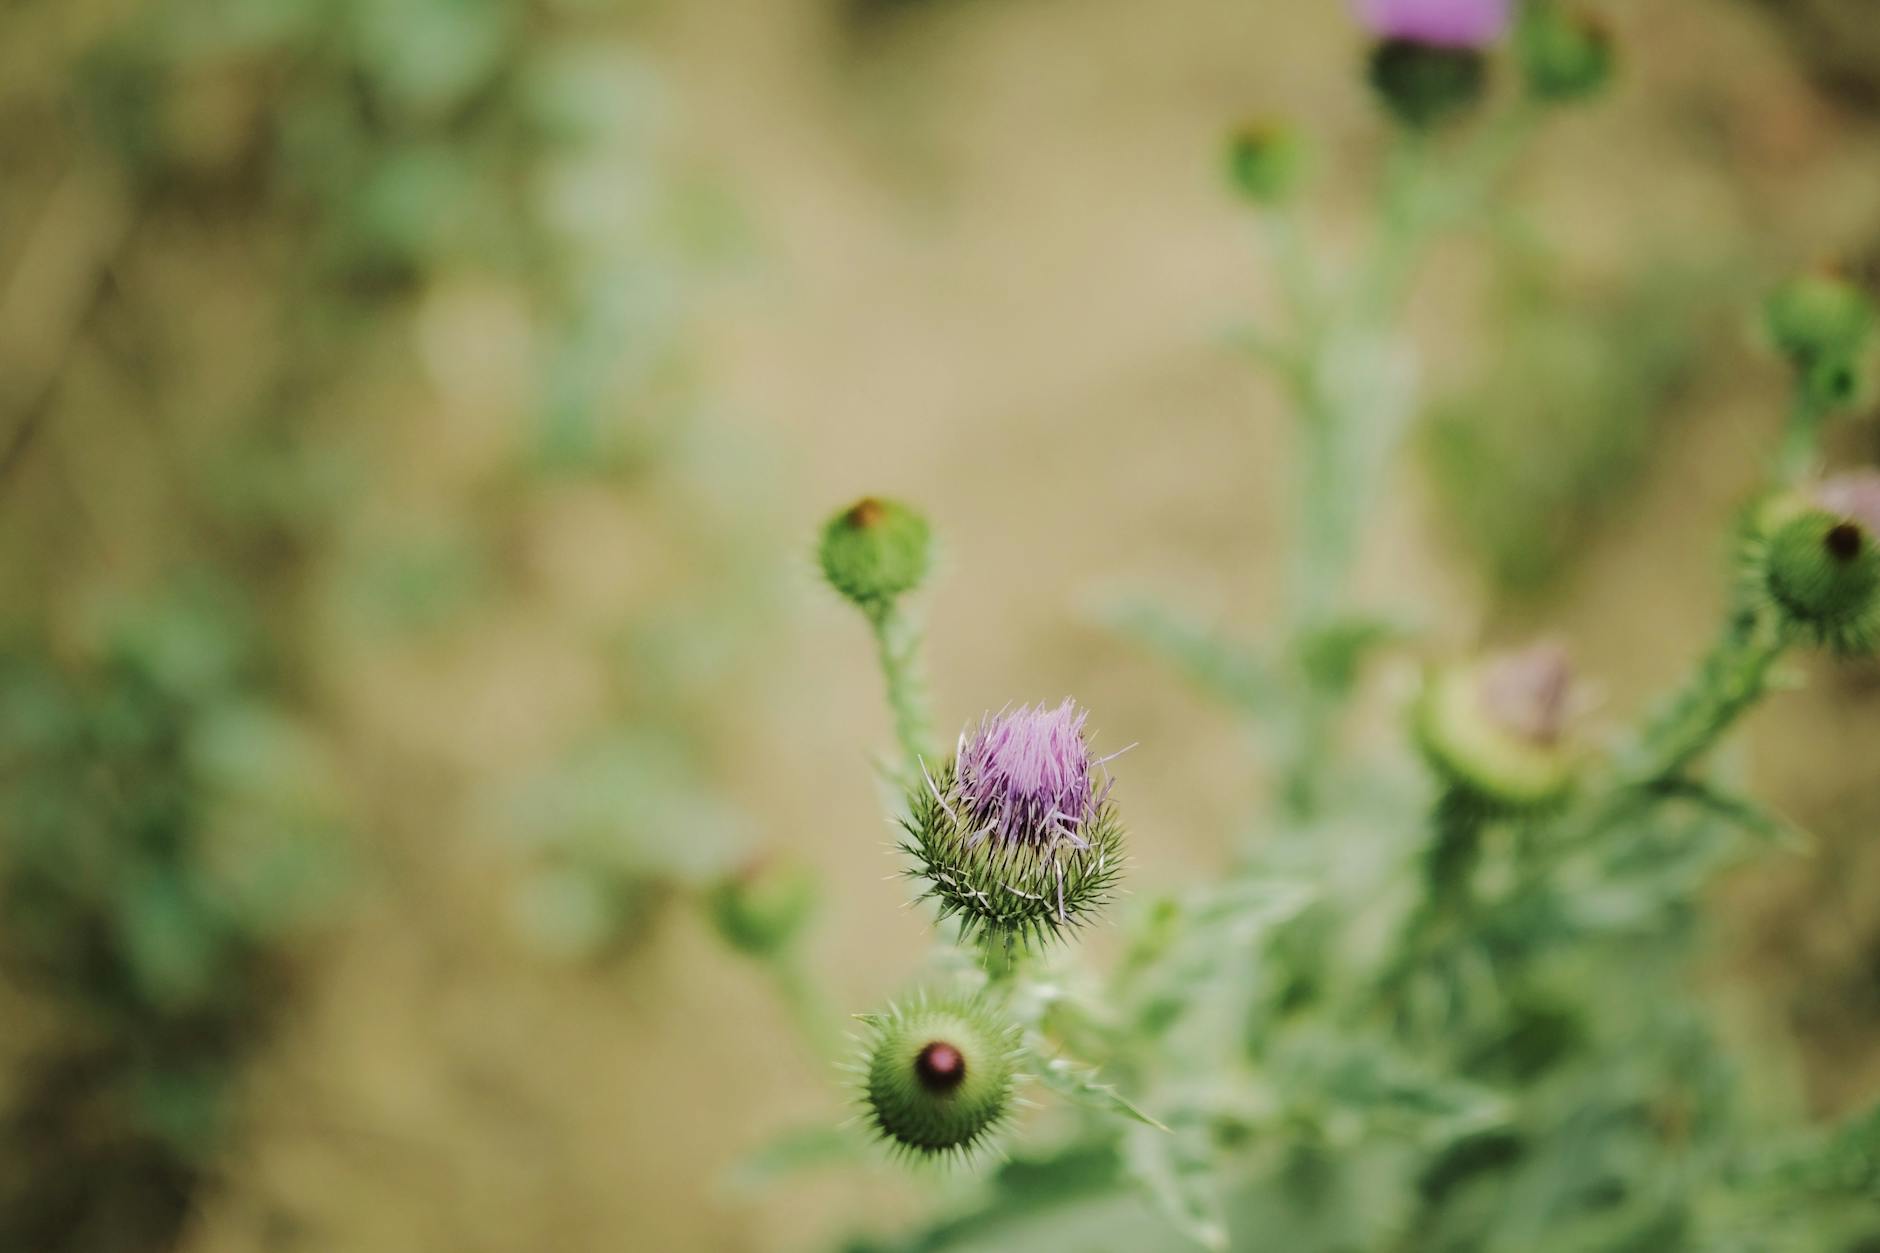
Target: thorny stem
x=898 y=644
x=1348 y=433
x=1730 y=679
x=1456 y=826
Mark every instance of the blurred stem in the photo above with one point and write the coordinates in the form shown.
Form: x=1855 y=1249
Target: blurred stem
x=1456 y=826
x=1801 y=440
x=897 y=642
x=1455 y=846
x=1729 y=680
x=803 y=1001
x=1002 y=959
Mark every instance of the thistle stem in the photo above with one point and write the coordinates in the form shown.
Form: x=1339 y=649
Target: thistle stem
x=804 y=1003
x=1729 y=680
x=1801 y=439
x=898 y=644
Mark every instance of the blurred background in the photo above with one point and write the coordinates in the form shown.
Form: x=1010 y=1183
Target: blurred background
x=414 y=420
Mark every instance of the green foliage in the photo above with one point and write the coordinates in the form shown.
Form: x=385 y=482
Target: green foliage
x=167 y=828
x=1449 y=1014
x=1548 y=443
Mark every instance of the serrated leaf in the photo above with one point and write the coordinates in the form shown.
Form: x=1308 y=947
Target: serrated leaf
x=1084 y=1085
x=1177 y=1172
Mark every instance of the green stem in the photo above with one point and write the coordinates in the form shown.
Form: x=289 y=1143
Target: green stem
x=1455 y=847
x=1730 y=679
x=1801 y=439
x=803 y=1001
x=1456 y=826
x=898 y=644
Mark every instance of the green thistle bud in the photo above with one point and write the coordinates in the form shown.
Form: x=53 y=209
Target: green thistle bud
x=1266 y=161
x=874 y=552
x=762 y=907
x=1017 y=836
x=1824 y=324
x=1566 y=55
x=1496 y=731
x=937 y=1077
x=1423 y=84
x=1815 y=556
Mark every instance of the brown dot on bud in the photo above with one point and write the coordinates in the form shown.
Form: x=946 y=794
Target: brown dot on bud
x=1843 y=541
x=865 y=513
x=940 y=1067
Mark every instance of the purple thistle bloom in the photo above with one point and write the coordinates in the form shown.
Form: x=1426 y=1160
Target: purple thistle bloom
x=1529 y=693
x=1024 y=777
x=1437 y=23
x=1016 y=836
x=1855 y=496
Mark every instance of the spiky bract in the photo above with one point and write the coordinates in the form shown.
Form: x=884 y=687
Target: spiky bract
x=1815 y=559
x=937 y=1076
x=1016 y=836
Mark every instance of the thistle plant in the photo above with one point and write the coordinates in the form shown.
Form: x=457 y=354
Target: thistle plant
x=1441 y=1000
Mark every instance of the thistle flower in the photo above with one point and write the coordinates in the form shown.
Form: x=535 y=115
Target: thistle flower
x=937 y=1077
x=1498 y=730
x=1016 y=835
x=874 y=552
x=1428 y=62
x=1473 y=24
x=1815 y=556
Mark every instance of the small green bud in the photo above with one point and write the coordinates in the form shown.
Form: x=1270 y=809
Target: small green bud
x=1266 y=161
x=1496 y=730
x=938 y=1076
x=1824 y=324
x=1423 y=84
x=874 y=552
x=1819 y=562
x=1566 y=54
x=762 y=907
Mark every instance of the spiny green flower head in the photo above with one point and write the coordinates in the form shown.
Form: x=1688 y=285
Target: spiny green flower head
x=874 y=552
x=1815 y=556
x=1266 y=161
x=1497 y=729
x=1566 y=54
x=937 y=1076
x=1017 y=836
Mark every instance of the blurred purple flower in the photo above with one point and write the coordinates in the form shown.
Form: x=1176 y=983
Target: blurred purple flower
x=1528 y=693
x=1024 y=776
x=1855 y=496
x=1438 y=23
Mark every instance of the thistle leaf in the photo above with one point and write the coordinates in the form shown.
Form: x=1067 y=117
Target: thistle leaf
x=1084 y=1085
